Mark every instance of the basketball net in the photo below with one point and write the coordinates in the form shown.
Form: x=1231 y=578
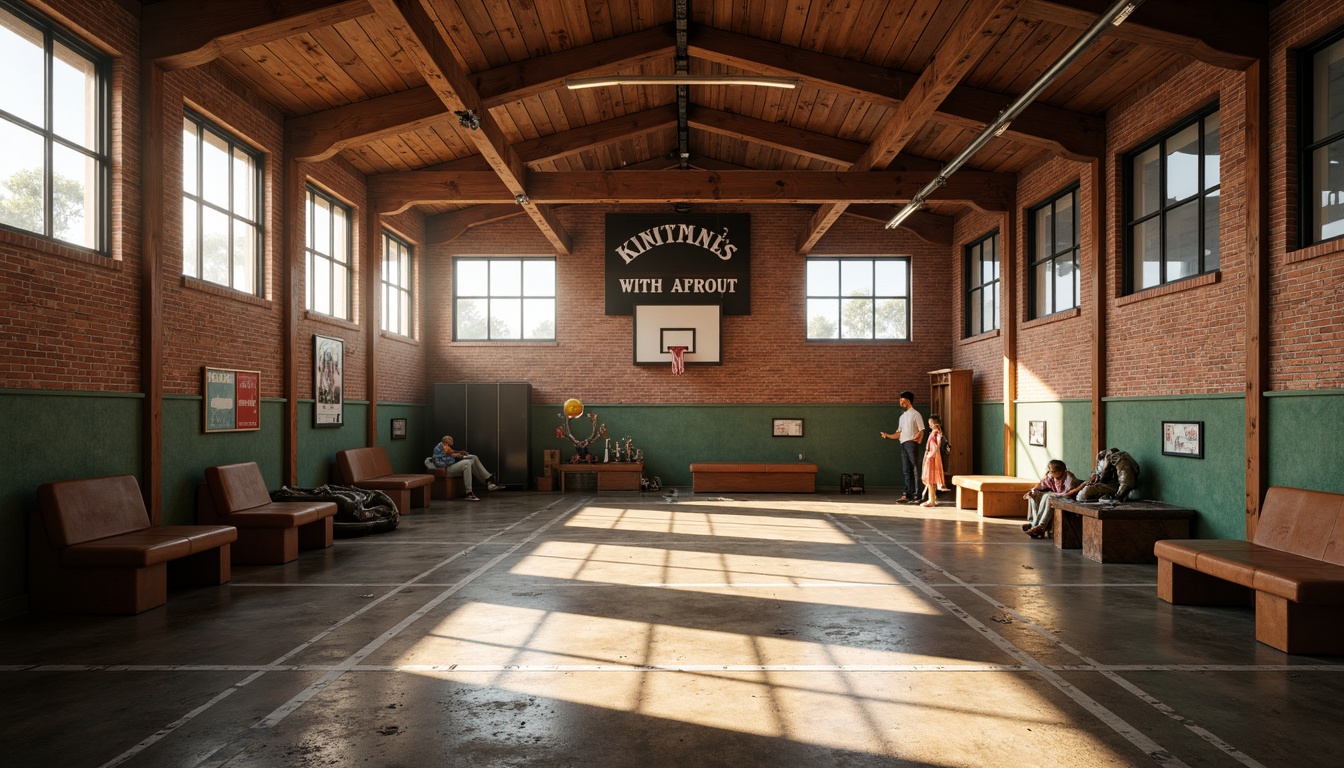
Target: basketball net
x=678 y=360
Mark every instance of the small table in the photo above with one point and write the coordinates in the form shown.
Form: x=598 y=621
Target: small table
x=612 y=476
x=1118 y=532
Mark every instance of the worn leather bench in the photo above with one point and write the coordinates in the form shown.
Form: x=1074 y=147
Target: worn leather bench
x=370 y=469
x=1293 y=568
x=91 y=549
x=784 y=477
x=994 y=495
x=269 y=532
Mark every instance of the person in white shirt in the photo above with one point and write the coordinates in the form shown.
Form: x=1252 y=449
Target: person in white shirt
x=910 y=432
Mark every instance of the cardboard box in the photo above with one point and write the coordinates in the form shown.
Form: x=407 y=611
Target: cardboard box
x=546 y=483
x=550 y=457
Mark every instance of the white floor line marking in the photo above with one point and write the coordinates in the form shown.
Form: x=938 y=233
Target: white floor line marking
x=1112 y=720
x=308 y=693
x=1102 y=668
x=1109 y=674
x=721 y=584
x=277 y=664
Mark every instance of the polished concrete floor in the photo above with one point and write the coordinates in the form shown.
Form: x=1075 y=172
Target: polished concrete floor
x=625 y=630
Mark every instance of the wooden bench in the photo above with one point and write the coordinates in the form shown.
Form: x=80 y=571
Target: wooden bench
x=370 y=469
x=723 y=476
x=445 y=487
x=1293 y=568
x=993 y=495
x=611 y=476
x=269 y=532
x=1117 y=532
x=91 y=549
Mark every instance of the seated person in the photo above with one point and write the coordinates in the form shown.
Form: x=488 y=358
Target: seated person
x=1058 y=481
x=1116 y=475
x=457 y=463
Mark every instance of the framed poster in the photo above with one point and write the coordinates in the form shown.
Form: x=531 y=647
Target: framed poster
x=398 y=429
x=1036 y=433
x=788 y=428
x=231 y=400
x=1183 y=438
x=328 y=381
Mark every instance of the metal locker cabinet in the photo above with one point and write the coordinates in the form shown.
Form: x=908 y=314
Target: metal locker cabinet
x=491 y=419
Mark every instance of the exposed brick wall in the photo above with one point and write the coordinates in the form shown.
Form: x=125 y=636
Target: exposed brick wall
x=983 y=353
x=1187 y=341
x=1306 y=284
x=401 y=361
x=766 y=357
x=70 y=319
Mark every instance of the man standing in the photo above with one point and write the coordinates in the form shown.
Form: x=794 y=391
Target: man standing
x=910 y=433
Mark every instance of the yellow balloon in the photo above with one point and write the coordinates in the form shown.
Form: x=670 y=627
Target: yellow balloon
x=573 y=408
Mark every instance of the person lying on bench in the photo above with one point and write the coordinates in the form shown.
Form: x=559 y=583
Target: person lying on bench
x=1058 y=481
x=462 y=464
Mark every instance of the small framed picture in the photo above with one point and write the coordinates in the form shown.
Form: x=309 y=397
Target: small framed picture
x=1183 y=438
x=1036 y=433
x=328 y=381
x=787 y=428
x=398 y=429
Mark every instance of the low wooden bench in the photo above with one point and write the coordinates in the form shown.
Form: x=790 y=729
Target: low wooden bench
x=993 y=495
x=370 y=469
x=611 y=476
x=269 y=532
x=739 y=477
x=91 y=549
x=1293 y=568
x=1117 y=532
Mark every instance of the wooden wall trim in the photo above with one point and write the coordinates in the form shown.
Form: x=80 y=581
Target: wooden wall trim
x=1008 y=256
x=1256 y=138
x=1096 y=213
x=153 y=139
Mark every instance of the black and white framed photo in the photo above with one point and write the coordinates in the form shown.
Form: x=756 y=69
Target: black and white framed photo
x=398 y=429
x=1036 y=433
x=328 y=381
x=1183 y=438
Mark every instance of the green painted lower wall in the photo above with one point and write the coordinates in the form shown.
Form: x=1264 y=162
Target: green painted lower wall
x=318 y=447
x=1214 y=485
x=837 y=438
x=1068 y=436
x=988 y=458
x=1305 y=447
x=408 y=454
x=188 y=450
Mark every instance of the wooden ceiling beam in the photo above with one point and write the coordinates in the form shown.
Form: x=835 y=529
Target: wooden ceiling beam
x=1070 y=134
x=795 y=141
x=316 y=137
x=582 y=139
x=929 y=227
x=393 y=193
x=981 y=23
x=179 y=34
x=446 y=227
x=547 y=72
x=411 y=25
x=1225 y=33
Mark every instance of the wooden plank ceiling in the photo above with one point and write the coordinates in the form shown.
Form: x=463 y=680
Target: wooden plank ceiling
x=888 y=92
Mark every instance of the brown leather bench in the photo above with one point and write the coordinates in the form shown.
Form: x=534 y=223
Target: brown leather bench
x=1293 y=568
x=269 y=532
x=369 y=468
x=91 y=549
x=725 y=476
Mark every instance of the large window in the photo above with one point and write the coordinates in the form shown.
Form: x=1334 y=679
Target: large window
x=54 y=136
x=221 y=207
x=1052 y=281
x=500 y=299
x=1322 y=159
x=328 y=256
x=853 y=298
x=982 y=285
x=1171 y=205
x=397 y=294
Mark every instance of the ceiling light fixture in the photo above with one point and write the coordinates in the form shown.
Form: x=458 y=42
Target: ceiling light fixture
x=579 y=83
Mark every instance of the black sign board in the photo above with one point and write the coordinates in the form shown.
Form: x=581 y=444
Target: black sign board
x=678 y=259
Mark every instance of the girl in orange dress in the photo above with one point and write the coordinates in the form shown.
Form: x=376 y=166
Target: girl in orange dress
x=936 y=448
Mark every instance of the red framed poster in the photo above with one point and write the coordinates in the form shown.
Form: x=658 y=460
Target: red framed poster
x=232 y=400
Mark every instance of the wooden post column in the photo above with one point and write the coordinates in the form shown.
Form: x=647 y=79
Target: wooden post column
x=290 y=274
x=373 y=266
x=1096 y=213
x=1257 y=289
x=153 y=138
x=1008 y=262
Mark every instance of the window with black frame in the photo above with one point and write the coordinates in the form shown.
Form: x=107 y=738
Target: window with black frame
x=852 y=299
x=1172 y=205
x=1322 y=122
x=1052 y=241
x=398 y=299
x=221 y=207
x=55 y=113
x=503 y=299
x=982 y=285
x=329 y=276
